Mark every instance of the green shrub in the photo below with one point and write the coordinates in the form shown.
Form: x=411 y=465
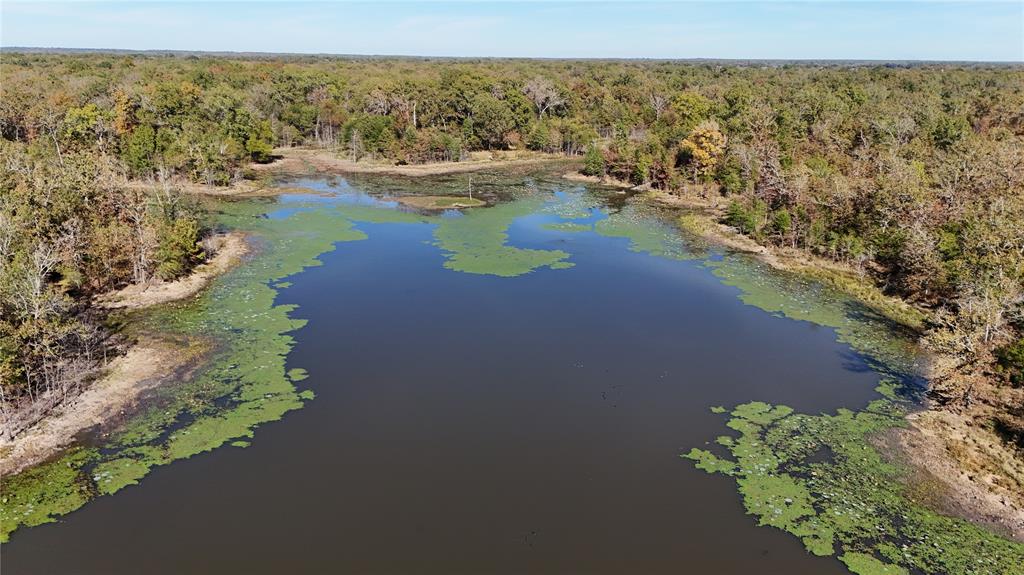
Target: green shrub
x=593 y=162
x=1011 y=360
x=179 y=248
x=747 y=220
x=258 y=144
x=374 y=134
x=138 y=149
x=730 y=176
x=782 y=222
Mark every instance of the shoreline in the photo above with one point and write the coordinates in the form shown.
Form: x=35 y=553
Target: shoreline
x=961 y=469
x=229 y=249
x=955 y=463
x=954 y=460
x=700 y=217
x=303 y=161
x=146 y=364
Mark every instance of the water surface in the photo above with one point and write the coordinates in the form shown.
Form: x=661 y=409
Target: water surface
x=503 y=391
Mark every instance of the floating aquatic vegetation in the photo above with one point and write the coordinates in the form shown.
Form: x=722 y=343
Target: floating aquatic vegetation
x=477 y=242
x=645 y=233
x=568 y=227
x=36 y=495
x=244 y=385
x=819 y=478
x=581 y=212
x=815 y=476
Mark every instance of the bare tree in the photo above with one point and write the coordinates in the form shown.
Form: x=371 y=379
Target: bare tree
x=379 y=102
x=323 y=130
x=543 y=94
x=355 y=146
x=659 y=103
x=135 y=206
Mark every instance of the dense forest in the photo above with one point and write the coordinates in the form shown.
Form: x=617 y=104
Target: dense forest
x=912 y=174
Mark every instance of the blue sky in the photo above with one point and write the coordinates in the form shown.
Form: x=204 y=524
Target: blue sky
x=987 y=31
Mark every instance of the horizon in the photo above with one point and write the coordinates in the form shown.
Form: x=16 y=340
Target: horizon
x=255 y=54
x=824 y=31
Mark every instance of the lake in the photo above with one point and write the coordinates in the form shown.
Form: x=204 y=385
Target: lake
x=504 y=390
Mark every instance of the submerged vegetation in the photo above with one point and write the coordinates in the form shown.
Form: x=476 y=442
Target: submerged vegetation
x=887 y=345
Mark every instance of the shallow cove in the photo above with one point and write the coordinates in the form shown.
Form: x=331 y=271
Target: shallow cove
x=502 y=391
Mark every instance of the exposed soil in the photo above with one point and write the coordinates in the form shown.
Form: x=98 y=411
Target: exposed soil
x=146 y=365
x=303 y=161
x=609 y=182
x=439 y=202
x=241 y=188
x=963 y=468
x=229 y=250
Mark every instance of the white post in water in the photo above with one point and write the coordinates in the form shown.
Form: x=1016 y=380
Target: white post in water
x=471 y=187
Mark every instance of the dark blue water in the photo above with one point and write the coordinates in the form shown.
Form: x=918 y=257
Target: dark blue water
x=478 y=424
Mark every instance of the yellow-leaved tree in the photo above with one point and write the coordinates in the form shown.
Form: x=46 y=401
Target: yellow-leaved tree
x=704 y=147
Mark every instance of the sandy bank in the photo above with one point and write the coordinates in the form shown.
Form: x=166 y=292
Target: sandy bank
x=148 y=363
x=303 y=161
x=229 y=249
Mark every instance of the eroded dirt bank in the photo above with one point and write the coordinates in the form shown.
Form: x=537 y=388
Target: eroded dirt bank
x=146 y=365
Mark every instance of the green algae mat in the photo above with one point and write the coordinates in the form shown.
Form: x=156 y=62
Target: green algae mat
x=815 y=476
